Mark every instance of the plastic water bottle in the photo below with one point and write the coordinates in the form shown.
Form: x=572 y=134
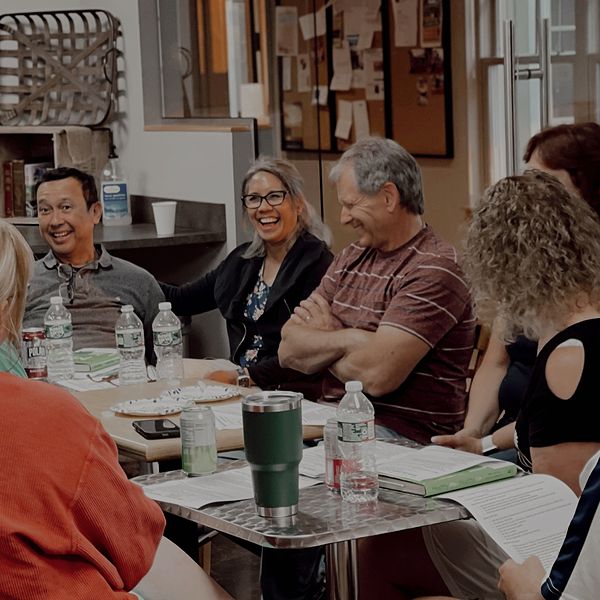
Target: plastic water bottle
x=59 y=340
x=168 y=345
x=114 y=194
x=356 y=439
x=129 y=333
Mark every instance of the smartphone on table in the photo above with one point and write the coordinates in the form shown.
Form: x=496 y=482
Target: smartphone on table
x=154 y=429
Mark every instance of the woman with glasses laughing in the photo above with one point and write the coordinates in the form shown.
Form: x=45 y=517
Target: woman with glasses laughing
x=257 y=287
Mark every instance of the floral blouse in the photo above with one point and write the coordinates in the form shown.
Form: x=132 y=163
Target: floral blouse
x=255 y=307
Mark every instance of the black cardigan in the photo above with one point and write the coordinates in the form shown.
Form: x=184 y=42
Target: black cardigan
x=227 y=288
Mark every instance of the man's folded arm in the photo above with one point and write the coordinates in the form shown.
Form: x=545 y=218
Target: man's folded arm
x=310 y=350
x=383 y=361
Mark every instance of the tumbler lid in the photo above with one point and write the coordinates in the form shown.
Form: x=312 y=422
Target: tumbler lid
x=271 y=401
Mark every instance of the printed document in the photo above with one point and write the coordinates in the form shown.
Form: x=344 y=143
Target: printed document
x=196 y=492
x=524 y=515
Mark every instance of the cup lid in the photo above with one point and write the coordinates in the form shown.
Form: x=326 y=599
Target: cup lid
x=271 y=401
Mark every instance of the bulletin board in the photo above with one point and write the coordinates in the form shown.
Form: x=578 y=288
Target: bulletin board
x=365 y=75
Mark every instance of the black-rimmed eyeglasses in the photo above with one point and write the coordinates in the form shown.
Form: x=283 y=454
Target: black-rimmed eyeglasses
x=274 y=198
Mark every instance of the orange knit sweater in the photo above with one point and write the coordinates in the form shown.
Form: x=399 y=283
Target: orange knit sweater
x=71 y=525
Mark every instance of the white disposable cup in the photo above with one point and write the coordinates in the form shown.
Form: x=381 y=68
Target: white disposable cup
x=164 y=217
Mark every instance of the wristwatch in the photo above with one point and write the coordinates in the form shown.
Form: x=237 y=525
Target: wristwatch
x=243 y=379
x=487 y=445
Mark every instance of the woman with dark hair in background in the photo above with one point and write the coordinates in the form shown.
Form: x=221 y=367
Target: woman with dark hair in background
x=257 y=287
x=572 y=154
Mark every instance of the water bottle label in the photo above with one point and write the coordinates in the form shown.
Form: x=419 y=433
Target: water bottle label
x=356 y=432
x=58 y=331
x=130 y=339
x=114 y=197
x=167 y=338
x=333 y=469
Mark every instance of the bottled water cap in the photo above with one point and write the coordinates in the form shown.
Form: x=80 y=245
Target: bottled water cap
x=56 y=300
x=127 y=308
x=164 y=306
x=354 y=386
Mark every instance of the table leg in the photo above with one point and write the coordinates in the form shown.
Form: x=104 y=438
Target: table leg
x=342 y=570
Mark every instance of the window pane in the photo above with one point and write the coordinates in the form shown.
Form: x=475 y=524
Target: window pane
x=562 y=90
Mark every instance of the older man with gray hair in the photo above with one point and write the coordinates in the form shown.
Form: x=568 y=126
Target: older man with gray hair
x=393 y=310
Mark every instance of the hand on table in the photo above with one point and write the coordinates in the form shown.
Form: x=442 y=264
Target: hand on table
x=465 y=439
x=522 y=581
x=315 y=312
x=228 y=377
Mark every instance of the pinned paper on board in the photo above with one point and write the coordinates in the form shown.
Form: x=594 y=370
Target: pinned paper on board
x=286 y=30
x=431 y=23
x=344 y=122
x=313 y=24
x=286 y=73
x=356 y=60
x=342 y=69
x=405 y=22
x=374 y=76
x=292 y=114
x=360 y=118
x=319 y=95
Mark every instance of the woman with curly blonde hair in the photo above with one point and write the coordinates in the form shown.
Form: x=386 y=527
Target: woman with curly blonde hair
x=16 y=263
x=533 y=253
x=533 y=258
x=570 y=152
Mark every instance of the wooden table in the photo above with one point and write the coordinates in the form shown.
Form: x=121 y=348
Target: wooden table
x=131 y=444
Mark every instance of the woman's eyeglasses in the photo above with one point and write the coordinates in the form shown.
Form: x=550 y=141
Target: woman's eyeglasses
x=274 y=198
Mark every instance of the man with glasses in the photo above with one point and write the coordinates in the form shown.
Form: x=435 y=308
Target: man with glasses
x=93 y=284
x=393 y=310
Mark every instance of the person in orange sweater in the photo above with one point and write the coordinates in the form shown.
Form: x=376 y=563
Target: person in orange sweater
x=71 y=524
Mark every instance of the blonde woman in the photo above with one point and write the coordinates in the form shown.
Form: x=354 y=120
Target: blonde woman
x=15 y=267
x=533 y=259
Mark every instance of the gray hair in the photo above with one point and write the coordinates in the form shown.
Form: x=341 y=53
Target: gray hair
x=288 y=174
x=378 y=160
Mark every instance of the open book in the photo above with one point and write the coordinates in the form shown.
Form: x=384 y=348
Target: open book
x=435 y=470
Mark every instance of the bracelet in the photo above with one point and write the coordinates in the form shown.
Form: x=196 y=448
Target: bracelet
x=243 y=379
x=487 y=444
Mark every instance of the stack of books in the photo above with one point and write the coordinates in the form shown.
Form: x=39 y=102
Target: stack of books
x=20 y=178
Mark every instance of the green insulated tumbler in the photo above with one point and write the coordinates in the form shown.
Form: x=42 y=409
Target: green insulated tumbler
x=273 y=443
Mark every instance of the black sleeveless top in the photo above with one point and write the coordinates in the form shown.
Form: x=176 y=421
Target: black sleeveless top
x=512 y=389
x=545 y=419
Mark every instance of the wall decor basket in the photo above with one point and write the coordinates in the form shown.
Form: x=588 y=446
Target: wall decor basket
x=57 y=68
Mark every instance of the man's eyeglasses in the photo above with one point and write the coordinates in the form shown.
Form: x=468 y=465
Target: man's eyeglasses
x=274 y=198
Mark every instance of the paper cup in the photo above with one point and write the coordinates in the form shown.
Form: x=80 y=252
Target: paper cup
x=164 y=217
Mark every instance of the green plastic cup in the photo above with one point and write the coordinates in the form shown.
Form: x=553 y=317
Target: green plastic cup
x=273 y=443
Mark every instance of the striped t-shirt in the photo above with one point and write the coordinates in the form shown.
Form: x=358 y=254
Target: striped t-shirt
x=420 y=289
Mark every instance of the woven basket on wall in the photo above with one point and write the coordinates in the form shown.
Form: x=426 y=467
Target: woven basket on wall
x=57 y=68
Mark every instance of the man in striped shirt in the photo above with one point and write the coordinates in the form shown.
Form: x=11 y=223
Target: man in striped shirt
x=393 y=310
